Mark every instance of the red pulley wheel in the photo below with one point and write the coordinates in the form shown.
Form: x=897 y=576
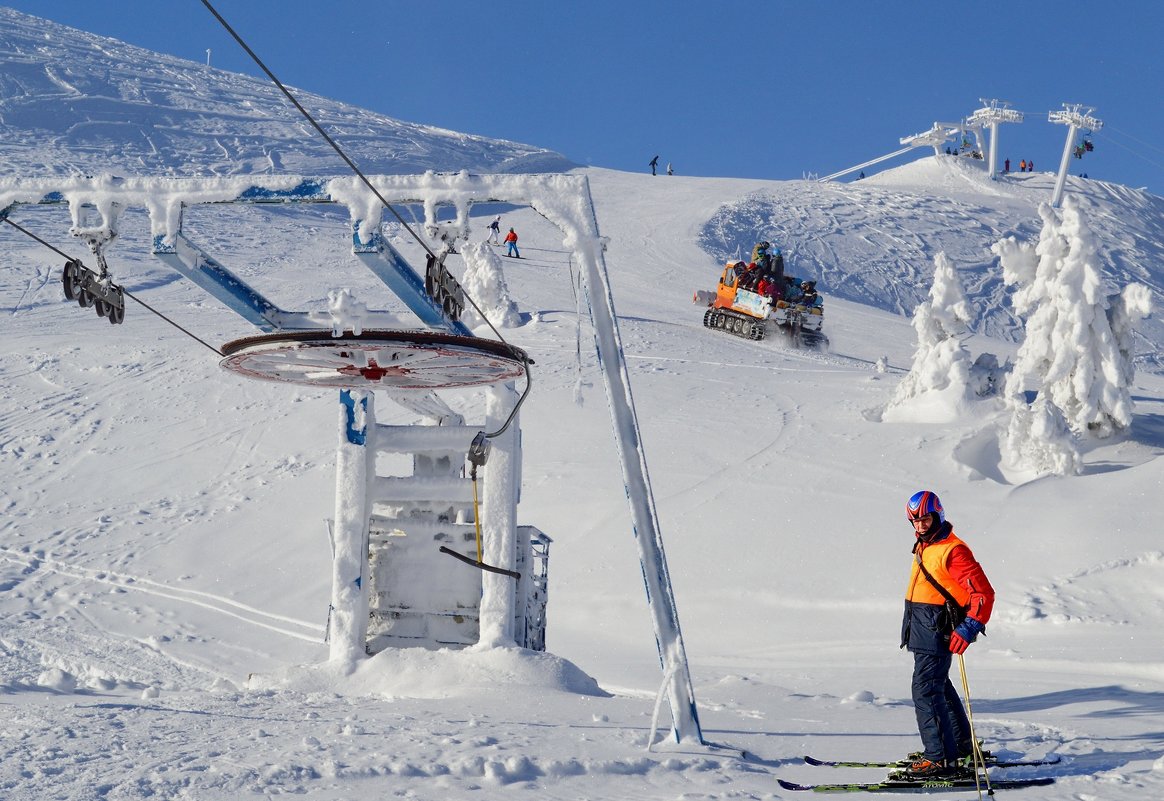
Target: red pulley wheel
x=423 y=360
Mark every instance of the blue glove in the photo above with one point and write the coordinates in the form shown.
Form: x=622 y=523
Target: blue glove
x=966 y=633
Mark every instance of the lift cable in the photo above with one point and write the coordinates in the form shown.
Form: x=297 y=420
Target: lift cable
x=125 y=291
x=316 y=125
x=372 y=188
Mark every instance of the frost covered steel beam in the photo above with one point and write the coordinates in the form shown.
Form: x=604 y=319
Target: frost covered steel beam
x=644 y=519
x=188 y=259
x=389 y=266
x=439 y=440
x=412 y=489
x=347 y=620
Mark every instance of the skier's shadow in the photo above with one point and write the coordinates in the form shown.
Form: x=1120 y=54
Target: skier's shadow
x=1112 y=701
x=1118 y=701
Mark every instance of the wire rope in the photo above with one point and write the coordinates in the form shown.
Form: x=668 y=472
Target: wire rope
x=1109 y=140
x=368 y=183
x=124 y=291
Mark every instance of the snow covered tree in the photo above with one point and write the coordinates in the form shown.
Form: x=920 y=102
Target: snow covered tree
x=1071 y=351
x=940 y=372
x=484 y=282
x=1038 y=438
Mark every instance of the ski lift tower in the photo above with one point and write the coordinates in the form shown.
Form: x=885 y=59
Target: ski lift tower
x=935 y=137
x=391 y=583
x=962 y=128
x=990 y=115
x=1074 y=116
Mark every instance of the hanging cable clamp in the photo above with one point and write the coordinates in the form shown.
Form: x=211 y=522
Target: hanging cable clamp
x=478 y=450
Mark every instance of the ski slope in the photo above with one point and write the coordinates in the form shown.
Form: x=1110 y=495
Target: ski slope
x=165 y=568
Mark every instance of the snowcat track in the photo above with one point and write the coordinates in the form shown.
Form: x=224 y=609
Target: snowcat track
x=730 y=322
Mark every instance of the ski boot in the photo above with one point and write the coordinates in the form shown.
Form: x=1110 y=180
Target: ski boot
x=924 y=769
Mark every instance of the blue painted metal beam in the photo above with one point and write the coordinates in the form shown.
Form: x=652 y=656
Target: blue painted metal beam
x=389 y=266
x=308 y=191
x=195 y=264
x=377 y=255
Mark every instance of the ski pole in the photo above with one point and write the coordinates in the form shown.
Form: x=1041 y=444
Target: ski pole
x=979 y=759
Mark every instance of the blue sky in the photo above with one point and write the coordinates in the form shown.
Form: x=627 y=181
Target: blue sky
x=742 y=88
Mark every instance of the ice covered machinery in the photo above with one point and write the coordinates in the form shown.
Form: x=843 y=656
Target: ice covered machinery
x=752 y=315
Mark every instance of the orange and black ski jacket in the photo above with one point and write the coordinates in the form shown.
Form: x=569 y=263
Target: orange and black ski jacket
x=926 y=626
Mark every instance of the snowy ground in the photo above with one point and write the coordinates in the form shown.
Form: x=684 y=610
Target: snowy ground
x=164 y=564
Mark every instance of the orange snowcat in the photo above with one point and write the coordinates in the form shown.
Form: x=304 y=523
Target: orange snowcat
x=750 y=315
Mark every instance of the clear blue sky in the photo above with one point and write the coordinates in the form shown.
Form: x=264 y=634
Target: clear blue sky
x=745 y=88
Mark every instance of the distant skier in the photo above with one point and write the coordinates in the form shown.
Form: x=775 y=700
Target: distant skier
x=654 y=164
x=494 y=231
x=945 y=574
x=1006 y=166
x=511 y=244
x=669 y=170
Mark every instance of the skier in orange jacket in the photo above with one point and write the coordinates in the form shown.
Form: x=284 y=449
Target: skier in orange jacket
x=947 y=605
x=511 y=244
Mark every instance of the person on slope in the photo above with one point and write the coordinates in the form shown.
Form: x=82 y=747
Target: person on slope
x=933 y=632
x=511 y=244
x=494 y=231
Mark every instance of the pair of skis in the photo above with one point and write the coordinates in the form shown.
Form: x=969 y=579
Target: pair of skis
x=891 y=785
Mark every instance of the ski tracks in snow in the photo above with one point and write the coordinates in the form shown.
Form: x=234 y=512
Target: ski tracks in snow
x=31 y=566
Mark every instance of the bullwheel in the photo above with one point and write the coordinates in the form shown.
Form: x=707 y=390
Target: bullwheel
x=422 y=360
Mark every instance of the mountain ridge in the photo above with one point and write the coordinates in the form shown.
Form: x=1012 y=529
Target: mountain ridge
x=68 y=98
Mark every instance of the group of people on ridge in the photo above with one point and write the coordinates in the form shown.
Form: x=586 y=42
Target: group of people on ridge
x=764 y=275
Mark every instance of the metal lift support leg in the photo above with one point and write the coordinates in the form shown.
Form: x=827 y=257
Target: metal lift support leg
x=648 y=537
x=194 y=263
x=389 y=266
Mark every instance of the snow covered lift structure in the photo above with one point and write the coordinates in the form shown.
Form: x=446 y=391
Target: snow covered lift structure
x=989 y=116
x=392 y=535
x=385 y=589
x=392 y=581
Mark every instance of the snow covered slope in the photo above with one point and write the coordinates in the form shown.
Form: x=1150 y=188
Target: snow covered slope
x=164 y=565
x=874 y=241
x=73 y=102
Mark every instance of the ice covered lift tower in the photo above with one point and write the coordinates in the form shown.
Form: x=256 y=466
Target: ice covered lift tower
x=386 y=527
x=990 y=115
x=1075 y=117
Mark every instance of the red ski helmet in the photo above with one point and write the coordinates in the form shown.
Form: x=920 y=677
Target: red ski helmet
x=922 y=503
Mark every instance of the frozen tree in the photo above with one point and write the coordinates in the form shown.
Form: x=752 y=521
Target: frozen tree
x=1132 y=304
x=940 y=373
x=1071 y=351
x=1038 y=438
x=485 y=283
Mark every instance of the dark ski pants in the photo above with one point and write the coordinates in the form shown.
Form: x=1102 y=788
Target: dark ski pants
x=941 y=720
